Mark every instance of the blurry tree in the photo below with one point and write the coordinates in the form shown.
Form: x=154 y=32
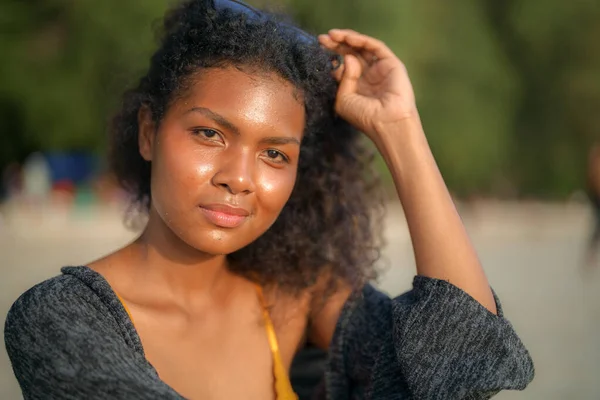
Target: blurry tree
x=554 y=54
x=64 y=66
x=509 y=91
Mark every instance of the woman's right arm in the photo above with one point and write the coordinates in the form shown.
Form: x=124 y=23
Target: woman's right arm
x=64 y=345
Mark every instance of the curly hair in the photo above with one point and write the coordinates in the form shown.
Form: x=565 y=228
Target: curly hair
x=328 y=226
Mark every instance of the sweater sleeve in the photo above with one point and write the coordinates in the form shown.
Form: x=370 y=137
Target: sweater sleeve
x=64 y=346
x=449 y=346
x=433 y=342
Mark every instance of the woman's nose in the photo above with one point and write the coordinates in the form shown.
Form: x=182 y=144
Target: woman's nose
x=236 y=174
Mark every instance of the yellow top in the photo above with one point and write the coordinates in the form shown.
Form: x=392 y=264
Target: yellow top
x=283 y=386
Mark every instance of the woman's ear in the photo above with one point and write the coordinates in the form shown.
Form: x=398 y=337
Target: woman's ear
x=146 y=132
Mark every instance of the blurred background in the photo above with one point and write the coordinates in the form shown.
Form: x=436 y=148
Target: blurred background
x=509 y=93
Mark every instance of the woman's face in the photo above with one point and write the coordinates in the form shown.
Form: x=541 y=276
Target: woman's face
x=224 y=158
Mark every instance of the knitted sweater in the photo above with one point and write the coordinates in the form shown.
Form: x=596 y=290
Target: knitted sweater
x=70 y=338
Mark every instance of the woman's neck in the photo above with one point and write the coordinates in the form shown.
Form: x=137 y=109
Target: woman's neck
x=163 y=260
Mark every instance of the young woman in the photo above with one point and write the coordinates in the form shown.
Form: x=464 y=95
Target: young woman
x=241 y=143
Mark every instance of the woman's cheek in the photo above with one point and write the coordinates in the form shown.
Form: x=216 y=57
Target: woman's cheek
x=196 y=164
x=204 y=169
x=276 y=187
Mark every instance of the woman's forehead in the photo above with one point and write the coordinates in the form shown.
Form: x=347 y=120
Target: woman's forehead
x=233 y=84
x=262 y=98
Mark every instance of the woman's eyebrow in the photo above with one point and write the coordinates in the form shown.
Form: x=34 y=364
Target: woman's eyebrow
x=224 y=122
x=219 y=119
x=281 y=140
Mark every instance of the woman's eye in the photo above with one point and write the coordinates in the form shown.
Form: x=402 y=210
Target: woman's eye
x=276 y=156
x=210 y=134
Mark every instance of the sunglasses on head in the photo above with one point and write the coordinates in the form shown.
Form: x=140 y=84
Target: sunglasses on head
x=254 y=14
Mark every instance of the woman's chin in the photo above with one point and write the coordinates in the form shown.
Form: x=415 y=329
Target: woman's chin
x=218 y=243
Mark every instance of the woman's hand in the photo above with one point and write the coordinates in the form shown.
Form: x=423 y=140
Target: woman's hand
x=374 y=90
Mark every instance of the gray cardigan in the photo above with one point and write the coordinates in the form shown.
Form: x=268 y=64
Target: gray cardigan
x=70 y=338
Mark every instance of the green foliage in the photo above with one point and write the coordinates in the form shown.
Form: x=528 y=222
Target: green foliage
x=68 y=61
x=509 y=91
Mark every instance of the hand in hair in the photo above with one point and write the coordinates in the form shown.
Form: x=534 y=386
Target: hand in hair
x=374 y=89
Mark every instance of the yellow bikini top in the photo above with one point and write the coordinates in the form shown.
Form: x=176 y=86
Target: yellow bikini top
x=283 y=386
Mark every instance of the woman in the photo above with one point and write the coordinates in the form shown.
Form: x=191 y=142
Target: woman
x=241 y=142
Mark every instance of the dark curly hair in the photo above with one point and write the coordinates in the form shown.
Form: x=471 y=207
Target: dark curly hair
x=327 y=228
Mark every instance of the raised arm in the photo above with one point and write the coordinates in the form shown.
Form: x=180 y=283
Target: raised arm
x=376 y=96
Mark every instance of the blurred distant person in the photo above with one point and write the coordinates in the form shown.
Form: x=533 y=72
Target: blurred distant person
x=593 y=190
x=37 y=179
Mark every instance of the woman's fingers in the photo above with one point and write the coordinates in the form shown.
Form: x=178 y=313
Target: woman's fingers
x=358 y=42
x=363 y=51
x=338 y=73
x=366 y=58
x=327 y=41
x=349 y=76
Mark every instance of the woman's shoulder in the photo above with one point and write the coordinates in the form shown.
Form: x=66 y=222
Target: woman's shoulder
x=47 y=294
x=62 y=300
x=66 y=337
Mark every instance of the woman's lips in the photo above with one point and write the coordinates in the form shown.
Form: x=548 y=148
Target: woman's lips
x=224 y=216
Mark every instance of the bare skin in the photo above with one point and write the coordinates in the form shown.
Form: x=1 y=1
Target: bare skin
x=376 y=96
x=200 y=325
